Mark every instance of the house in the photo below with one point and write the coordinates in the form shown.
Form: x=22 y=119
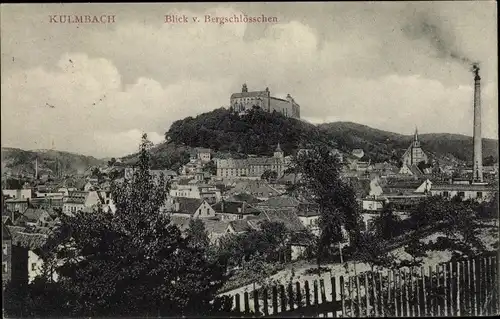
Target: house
x=216 y=229
x=189 y=189
x=238 y=226
x=309 y=215
x=26 y=256
x=280 y=202
x=80 y=200
x=16 y=205
x=411 y=170
x=34 y=217
x=229 y=210
x=204 y=154
x=261 y=190
x=6 y=251
x=243 y=197
x=479 y=192
x=17 y=193
x=191 y=208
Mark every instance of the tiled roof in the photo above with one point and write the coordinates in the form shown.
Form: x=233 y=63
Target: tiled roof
x=462 y=187
x=5 y=219
x=231 y=207
x=240 y=225
x=244 y=197
x=287 y=216
x=307 y=210
x=215 y=226
x=33 y=214
x=25 y=239
x=280 y=202
x=254 y=187
x=188 y=205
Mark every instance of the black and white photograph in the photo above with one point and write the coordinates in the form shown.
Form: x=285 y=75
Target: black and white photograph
x=257 y=160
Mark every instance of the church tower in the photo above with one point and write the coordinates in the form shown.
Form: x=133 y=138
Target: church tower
x=278 y=153
x=244 y=88
x=414 y=154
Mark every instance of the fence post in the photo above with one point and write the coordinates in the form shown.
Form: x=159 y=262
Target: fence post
x=477 y=279
x=424 y=295
x=246 y=302
x=283 y=298
x=488 y=289
x=358 y=311
x=290 y=296
x=389 y=288
x=334 y=295
x=375 y=294
x=308 y=293
x=299 y=294
x=256 y=303
x=367 y=294
x=431 y=292
x=381 y=294
x=342 y=299
x=438 y=306
x=265 y=302
x=322 y=291
x=406 y=304
x=473 y=287
x=400 y=293
x=412 y=294
x=275 y=300
x=495 y=301
x=237 y=307
x=466 y=288
x=446 y=287
x=315 y=292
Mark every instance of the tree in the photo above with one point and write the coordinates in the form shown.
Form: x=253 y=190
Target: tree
x=369 y=249
x=320 y=183
x=134 y=262
x=269 y=175
x=210 y=167
x=197 y=234
x=387 y=224
x=112 y=162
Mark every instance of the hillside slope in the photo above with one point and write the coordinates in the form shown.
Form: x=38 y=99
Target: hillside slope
x=380 y=144
x=16 y=161
x=259 y=133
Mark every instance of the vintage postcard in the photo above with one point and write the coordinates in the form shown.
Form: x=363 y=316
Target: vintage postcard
x=250 y=159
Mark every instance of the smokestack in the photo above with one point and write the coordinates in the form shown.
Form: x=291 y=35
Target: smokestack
x=36 y=168
x=478 y=149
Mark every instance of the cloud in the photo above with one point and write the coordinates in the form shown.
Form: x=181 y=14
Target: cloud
x=109 y=84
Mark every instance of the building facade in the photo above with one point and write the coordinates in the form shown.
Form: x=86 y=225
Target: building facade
x=252 y=166
x=241 y=102
x=414 y=154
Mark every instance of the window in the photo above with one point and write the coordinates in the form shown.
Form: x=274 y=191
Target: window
x=5 y=248
x=33 y=266
x=461 y=194
x=4 y=267
x=479 y=194
x=446 y=194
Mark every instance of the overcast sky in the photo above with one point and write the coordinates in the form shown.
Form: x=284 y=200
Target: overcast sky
x=391 y=66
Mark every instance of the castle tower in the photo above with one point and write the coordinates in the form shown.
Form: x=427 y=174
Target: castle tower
x=478 y=149
x=244 y=88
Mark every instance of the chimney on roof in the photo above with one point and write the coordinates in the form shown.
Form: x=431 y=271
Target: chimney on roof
x=222 y=206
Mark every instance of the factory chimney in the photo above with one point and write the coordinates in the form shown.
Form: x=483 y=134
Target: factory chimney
x=478 y=148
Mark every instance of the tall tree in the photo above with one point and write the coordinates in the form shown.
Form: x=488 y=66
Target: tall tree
x=134 y=262
x=386 y=225
x=321 y=184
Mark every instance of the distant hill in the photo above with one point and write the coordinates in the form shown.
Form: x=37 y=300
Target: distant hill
x=17 y=161
x=379 y=144
x=259 y=132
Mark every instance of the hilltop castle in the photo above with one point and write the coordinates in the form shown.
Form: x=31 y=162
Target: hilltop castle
x=240 y=102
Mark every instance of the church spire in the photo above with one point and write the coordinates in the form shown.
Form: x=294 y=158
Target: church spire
x=415 y=138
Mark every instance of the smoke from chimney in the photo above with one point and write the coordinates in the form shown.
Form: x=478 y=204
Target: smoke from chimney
x=443 y=42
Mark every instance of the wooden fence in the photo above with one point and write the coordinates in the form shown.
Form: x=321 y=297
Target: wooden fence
x=464 y=287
